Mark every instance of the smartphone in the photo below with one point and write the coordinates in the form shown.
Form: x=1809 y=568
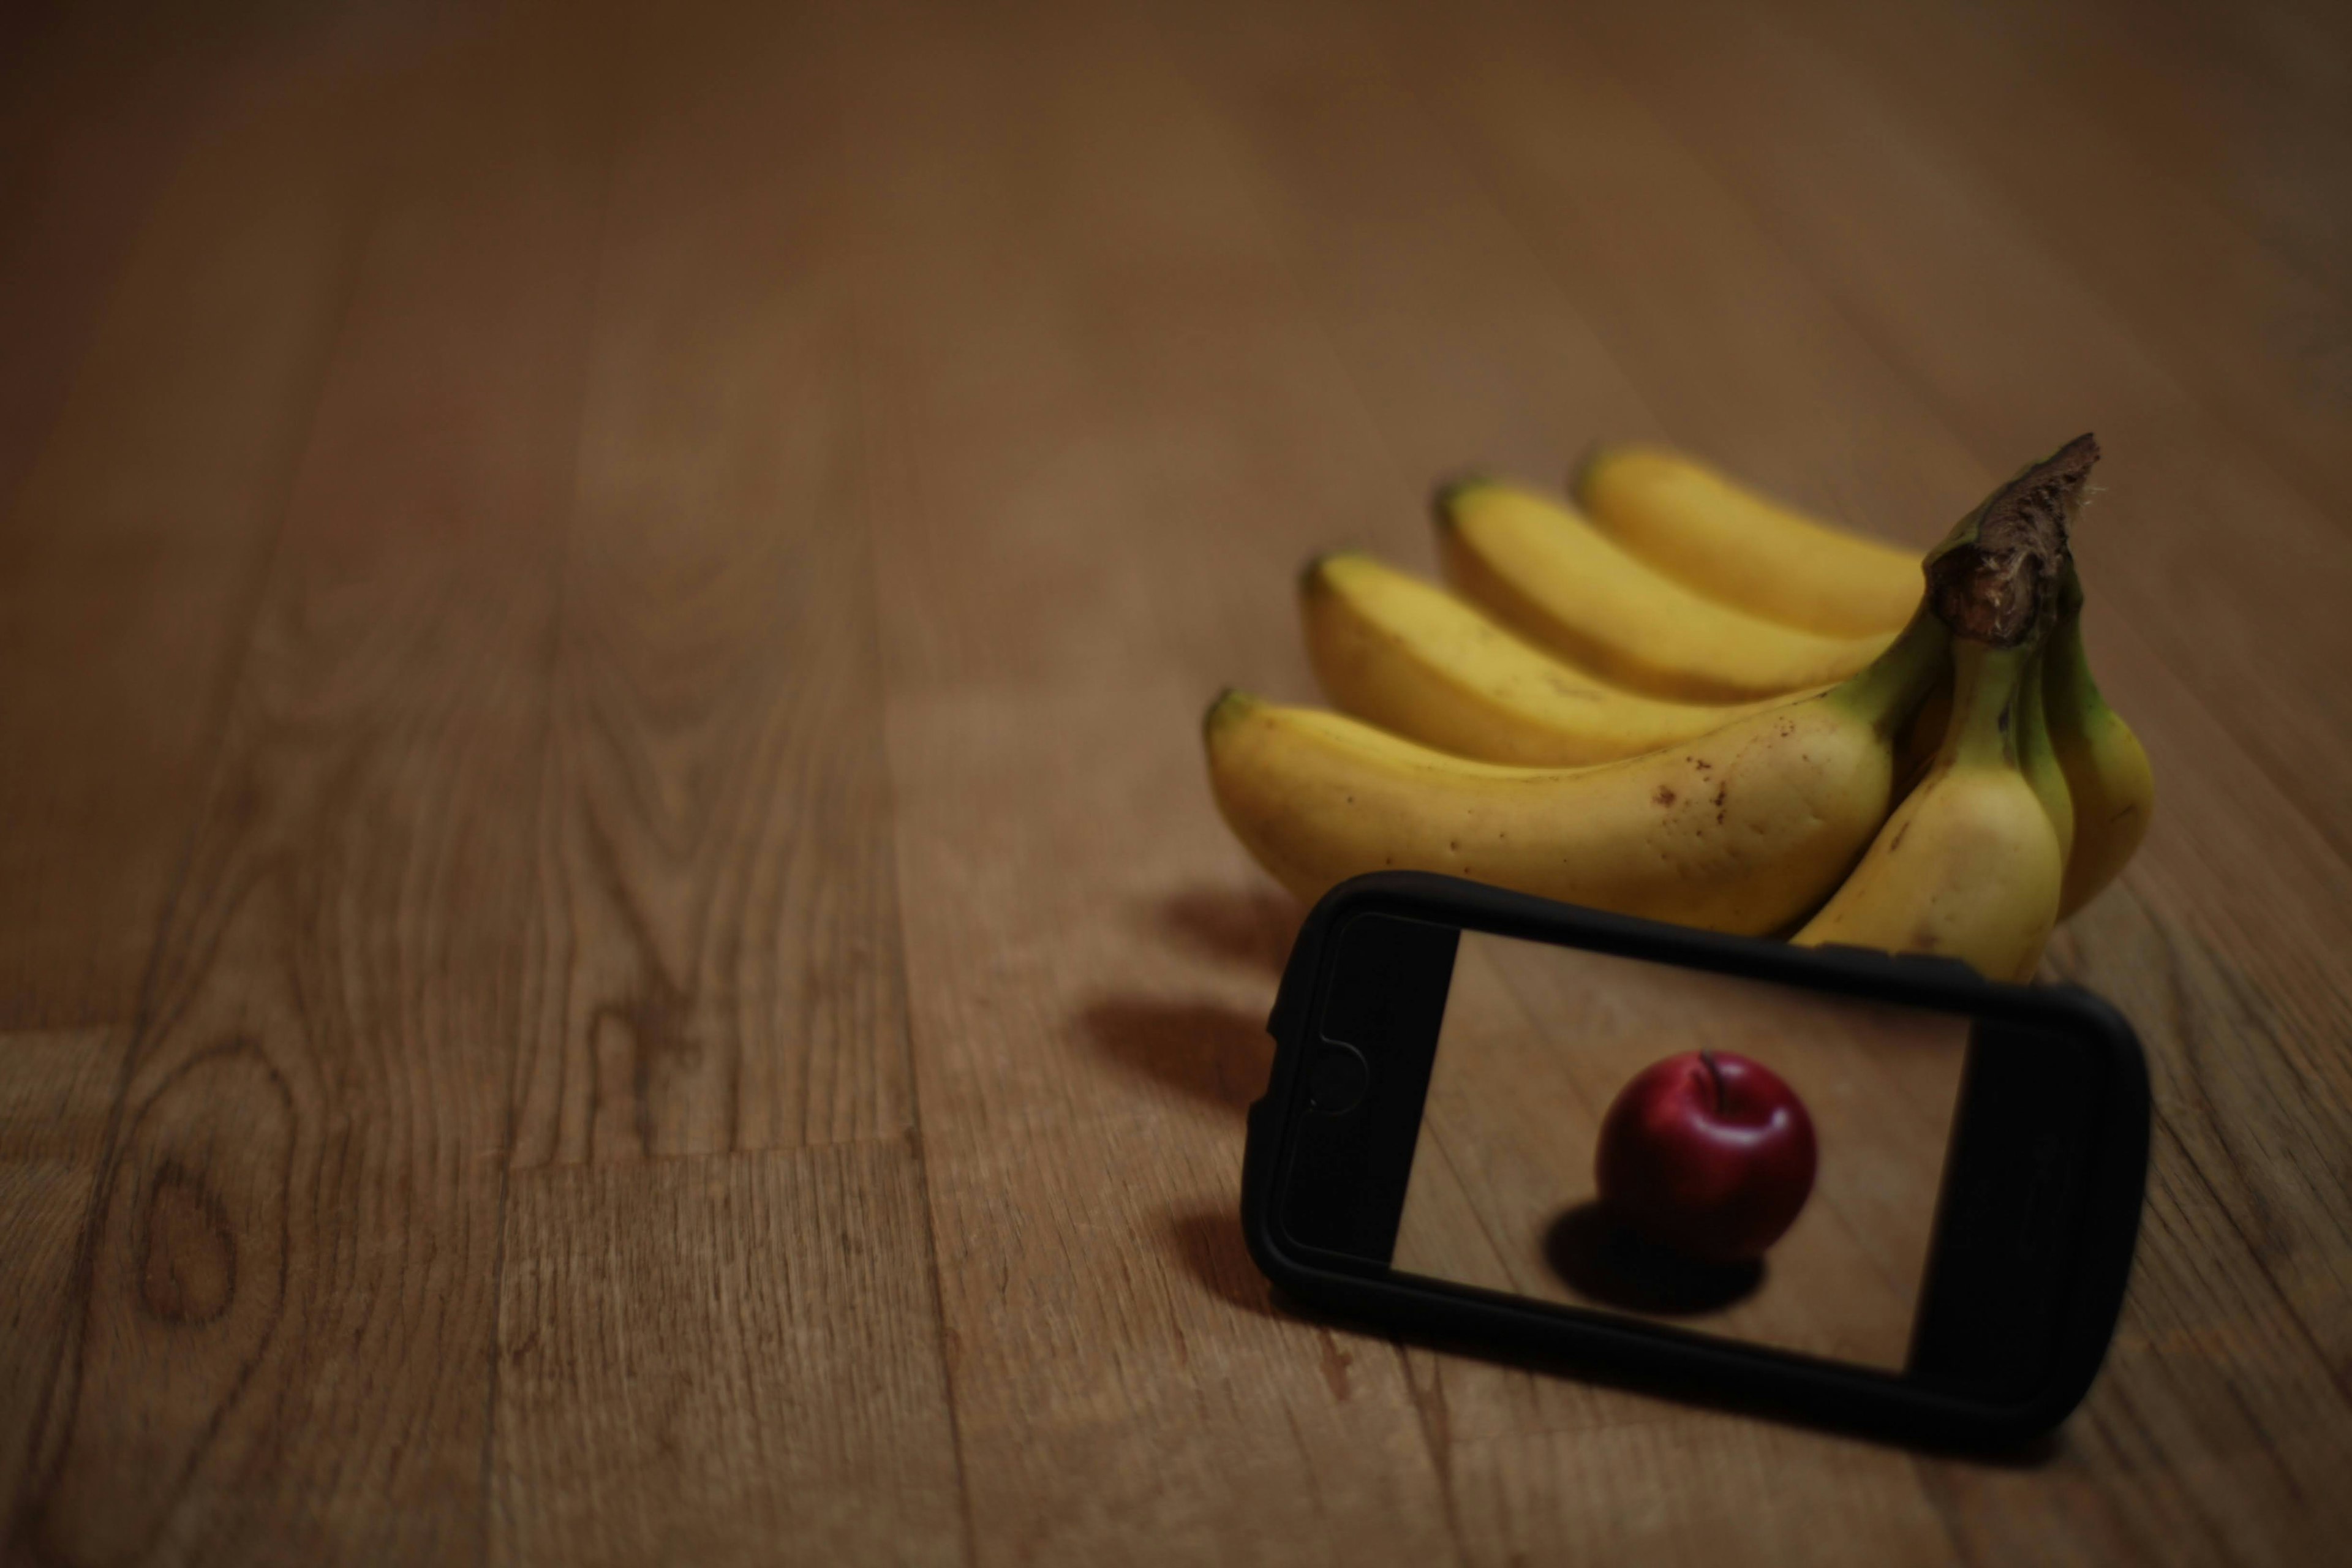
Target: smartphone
x=1453 y=1062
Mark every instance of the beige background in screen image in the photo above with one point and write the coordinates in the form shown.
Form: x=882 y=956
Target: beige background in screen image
x=1537 y=1042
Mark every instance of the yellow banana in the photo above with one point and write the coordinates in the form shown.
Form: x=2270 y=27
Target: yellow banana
x=1742 y=829
x=1543 y=570
x=1410 y=657
x=2106 y=769
x=1968 y=866
x=1739 y=549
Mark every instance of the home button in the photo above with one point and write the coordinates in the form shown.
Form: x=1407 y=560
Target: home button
x=1337 y=1079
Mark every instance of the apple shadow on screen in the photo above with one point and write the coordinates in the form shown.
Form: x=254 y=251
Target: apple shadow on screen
x=1602 y=1259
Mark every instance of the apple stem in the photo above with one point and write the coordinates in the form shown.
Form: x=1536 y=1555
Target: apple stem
x=1715 y=1076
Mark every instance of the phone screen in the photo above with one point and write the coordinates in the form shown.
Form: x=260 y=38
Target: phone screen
x=1704 y=1224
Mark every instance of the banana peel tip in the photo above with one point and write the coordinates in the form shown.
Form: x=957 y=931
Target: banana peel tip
x=1587 y=463
x=1230 y=704
x=1451 y=489
x=1314 y=578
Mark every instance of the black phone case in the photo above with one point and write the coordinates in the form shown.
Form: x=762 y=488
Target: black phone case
x=1664 y=1359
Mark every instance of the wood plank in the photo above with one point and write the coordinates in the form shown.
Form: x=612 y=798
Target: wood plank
x=285 y=1327
x=2244 y=354
x=1455 y=335
x=99 y=107
x=1696 y=1487
x=55 y=1090
x=721 y=896
x=1100 y=442
x=87 y=137
x=2234 y=1053
x=1145 y=1403
x=2243 y=103
x=2208 y=1438
x=720 y=1358
x=130 y=583
x=723 y=1360
x=1476 y=337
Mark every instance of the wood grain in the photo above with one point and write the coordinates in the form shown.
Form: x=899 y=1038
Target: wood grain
x=87 y=136
x=723 y=1360
x=1692 y=1489
x=284 y=1310
x=2211 y=1385
x=139 y=536
x=2266 y=356
x=1056 y=342
x=727 y=1359
x=2243 y=102
x=55 y=1090
x=723 y=959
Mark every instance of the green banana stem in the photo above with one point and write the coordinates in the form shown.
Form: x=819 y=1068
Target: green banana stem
x=1983 y=731
x=2105 y=767
x=2037 y=756
x=1889 y=689
x=2066 y=676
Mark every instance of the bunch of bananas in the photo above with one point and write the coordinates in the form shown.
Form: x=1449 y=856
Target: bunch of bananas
x=1679 y=699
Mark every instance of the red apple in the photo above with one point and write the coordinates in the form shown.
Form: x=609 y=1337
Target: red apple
x=1706 y=1153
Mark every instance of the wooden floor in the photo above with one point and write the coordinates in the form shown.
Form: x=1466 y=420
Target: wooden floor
x=613 y=947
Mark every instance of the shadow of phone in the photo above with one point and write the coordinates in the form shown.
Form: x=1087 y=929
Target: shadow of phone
x=1249 y=927
x=1209 y=1245
x=1205 y=1049
x=1602 y=1259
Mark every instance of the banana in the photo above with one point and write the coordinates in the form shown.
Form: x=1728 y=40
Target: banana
x=2037 y=755
x=1968 y=866
x=1743 y=829
x=2106 y=769
x=1407 y=656
x=1546 y=572
x=1739 y=549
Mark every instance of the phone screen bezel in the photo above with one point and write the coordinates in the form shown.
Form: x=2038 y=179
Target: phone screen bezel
x=1985 y=1374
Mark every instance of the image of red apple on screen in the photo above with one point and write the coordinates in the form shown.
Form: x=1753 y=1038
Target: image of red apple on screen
x=1707 y=1154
